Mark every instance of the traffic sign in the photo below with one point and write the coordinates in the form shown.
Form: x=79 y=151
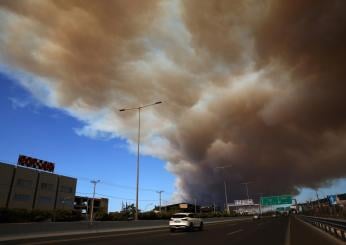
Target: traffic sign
x=276 y=200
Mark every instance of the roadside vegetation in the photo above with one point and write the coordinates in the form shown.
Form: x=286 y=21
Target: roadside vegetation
x=22 y=215
x=126 y=214
x=336 y=211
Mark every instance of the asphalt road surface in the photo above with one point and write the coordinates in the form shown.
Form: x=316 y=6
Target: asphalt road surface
x=276 y=231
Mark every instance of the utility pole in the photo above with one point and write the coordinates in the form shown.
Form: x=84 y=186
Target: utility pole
x=195 y=206
x=160 y=192
x=225 y=186
x=260 y=207
x=226 y=207
x=247 y=188
x=318 y=199
x=92 y=202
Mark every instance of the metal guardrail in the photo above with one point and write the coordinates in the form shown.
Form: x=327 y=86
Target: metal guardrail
x=335 y=227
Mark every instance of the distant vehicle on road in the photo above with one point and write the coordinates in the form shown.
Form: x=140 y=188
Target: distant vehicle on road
x=256 y=216
x=186 y=221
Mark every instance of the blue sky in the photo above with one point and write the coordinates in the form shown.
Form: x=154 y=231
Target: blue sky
x=30 y=128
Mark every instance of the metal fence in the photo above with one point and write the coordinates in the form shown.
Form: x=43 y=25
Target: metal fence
x=336 y=227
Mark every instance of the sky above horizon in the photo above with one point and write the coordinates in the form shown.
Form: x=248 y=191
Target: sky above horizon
x=254 y=86
x=32 y=129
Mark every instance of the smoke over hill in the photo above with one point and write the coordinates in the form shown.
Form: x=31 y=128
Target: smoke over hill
x=259 y=85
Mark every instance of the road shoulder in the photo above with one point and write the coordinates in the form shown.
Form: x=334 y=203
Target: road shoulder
x=305 y=233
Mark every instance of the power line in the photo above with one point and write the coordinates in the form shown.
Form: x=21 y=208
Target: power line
x=121 y=198
x=127 y=187
x=83 y=193
x=86 y=179
x=125 y=198
x=8 y=162
x=120 y=186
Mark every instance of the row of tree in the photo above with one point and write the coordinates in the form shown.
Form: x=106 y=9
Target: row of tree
x=126 y=214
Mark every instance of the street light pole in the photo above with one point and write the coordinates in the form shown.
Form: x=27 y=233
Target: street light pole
x=138 y=142
x=92 y=202
x=225 y=186
x=137 y=178
x=226 y=196
x=318 y=199
x=260 y=205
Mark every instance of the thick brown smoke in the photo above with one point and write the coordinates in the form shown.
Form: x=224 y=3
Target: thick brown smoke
x=258 y=85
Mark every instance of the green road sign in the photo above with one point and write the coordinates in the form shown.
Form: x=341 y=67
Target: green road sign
x=276 y=200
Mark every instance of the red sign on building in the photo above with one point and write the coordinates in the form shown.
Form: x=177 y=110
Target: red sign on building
x=31 y=162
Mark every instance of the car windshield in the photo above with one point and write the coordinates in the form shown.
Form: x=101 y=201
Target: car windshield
x=177 y=216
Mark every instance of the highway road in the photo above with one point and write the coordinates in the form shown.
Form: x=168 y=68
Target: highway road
x=276 y=231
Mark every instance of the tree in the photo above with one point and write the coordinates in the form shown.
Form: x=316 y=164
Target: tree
x=129 y=209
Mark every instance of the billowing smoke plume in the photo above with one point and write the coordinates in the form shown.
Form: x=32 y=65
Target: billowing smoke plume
x=259 y=85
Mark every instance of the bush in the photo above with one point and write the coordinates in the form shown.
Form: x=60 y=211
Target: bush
x=150 y=216
x=119 y=216
x=40 y=215
x=14 y=215
x=101 y=216
x=168 y=215
x=67 y=215
x=22 y=215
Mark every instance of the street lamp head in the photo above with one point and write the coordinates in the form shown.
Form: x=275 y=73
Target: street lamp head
x=159 y=102
x=122 y=110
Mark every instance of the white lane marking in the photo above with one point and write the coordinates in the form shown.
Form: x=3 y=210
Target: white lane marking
x=83 y=232
x=88 y=232
x=94 y=237
x=234 y=232
x=288 y=233
x=225 y=221
x=235 y=222
x=263 y=222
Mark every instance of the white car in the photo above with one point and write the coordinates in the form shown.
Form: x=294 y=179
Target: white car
x=256 y=216
x=185 y=221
